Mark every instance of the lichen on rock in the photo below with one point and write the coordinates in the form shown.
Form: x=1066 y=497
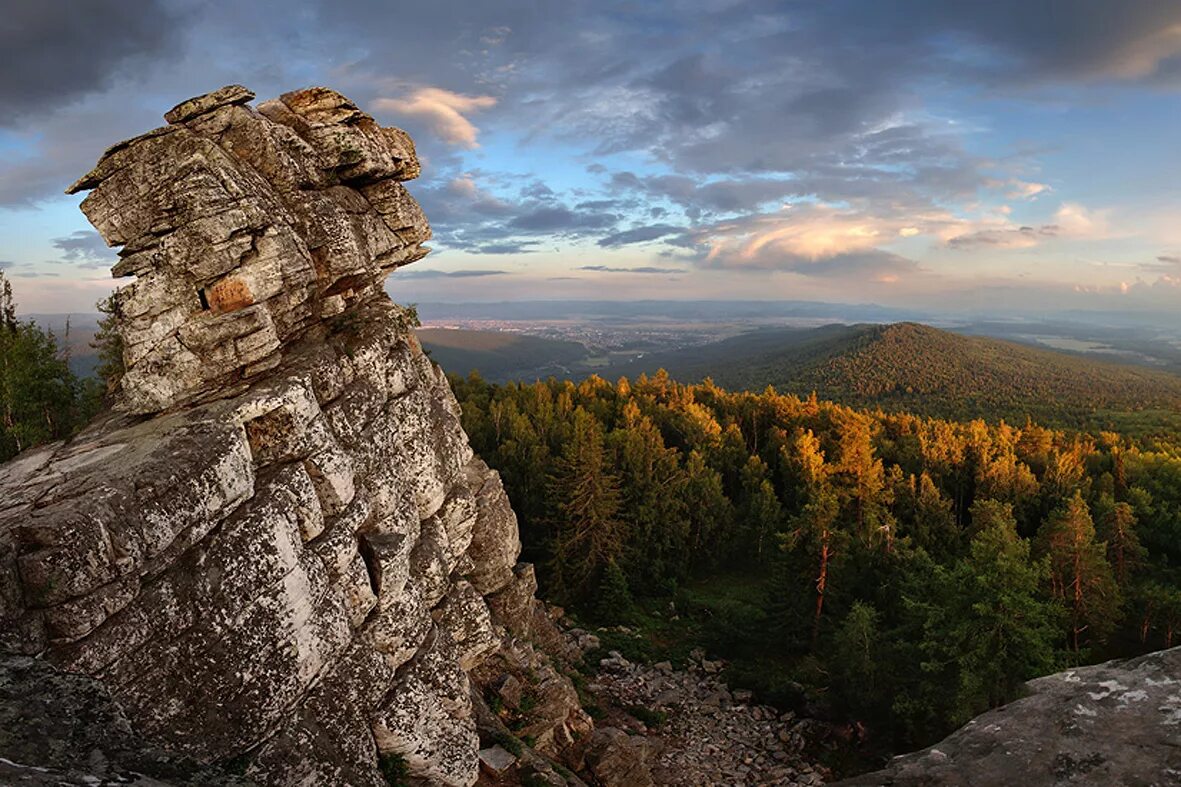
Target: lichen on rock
x=277 y=549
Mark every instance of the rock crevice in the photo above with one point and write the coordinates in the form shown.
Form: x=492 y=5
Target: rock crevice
x=278 y=549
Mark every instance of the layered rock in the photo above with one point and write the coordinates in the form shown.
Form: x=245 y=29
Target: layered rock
x=244 y=227
x=1113 y=723
x=289 y=563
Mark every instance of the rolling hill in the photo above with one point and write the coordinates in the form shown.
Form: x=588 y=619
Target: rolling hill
x=500 y=356
x=923 y=369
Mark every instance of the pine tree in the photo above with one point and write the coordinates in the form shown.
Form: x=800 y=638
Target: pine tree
x=1080 y=576
x=586 y=533
x=613 y=602
x=761 y=512
x=1117 y=527
x=39 y=395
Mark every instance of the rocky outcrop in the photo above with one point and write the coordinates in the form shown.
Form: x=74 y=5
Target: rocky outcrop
x=279 y=550
x=245 y=228
x=62 y=729
x=1113 y=723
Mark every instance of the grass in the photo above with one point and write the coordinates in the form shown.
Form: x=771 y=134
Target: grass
x=651 y=718
x=394 y=769
x=510 y=744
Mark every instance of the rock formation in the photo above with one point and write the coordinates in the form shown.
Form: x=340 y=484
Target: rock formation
x=1114 y=723
x=279 y=550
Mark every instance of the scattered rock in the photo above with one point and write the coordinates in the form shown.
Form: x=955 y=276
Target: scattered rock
x=496 y=760
x=619 y=760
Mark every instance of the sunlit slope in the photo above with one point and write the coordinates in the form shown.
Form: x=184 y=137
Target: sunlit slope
x=922 y=369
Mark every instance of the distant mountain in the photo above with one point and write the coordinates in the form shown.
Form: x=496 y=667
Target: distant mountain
x=922 y=369
x=500 y=355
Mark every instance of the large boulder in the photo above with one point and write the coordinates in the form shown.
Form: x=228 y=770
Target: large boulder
x=1117 y=723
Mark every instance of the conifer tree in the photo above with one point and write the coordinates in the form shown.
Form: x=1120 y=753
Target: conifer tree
x=1080 y=576
x=586 y=531
x=1117 y=527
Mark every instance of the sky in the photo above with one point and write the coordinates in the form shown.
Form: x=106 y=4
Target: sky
x=1010 y=156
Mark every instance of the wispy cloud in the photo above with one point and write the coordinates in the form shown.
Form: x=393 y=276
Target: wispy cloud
x=641 y=269
x=445 y=111
x=639 y=235
x=437 y=274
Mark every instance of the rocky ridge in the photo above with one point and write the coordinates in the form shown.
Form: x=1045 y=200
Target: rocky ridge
x=278 y=552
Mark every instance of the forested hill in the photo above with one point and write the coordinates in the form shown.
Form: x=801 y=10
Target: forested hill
x=913 y=367
x=886 y=569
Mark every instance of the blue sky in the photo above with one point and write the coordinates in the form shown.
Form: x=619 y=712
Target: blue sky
x=1004 y=156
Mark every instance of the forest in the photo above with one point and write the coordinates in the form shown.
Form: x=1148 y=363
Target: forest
x=40 y=398
x=911 y=367
x=895 y=572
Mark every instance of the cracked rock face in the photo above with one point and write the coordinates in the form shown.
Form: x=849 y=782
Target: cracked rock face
x=287 y=563
x=244 y=227
x=1113 y=723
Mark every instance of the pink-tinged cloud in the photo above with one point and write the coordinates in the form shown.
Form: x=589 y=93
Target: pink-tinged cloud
x=810 y=232
x=1072 y=221
x=1023 y=189
x=443 y=110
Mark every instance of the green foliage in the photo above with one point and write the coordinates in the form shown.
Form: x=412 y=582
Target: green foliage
x=900 y=571
x=917 y=368
x=651 y=718
x=40 y=398
x=586 y=501
x=108 y=343
x=1080 y=576
x=394 y=769
x=613 y=604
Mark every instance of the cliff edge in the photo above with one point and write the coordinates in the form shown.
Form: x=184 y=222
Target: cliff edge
x=1107 y=724
x=278 y=551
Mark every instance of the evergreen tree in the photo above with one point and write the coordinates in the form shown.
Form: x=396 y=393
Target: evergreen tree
x=995 y=625
x=1080 y=576
x=613 y=603
x=762 y=515
x=1117 y=527
x=40 y=398
x=586 y=531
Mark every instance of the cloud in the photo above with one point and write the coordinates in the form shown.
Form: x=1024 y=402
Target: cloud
x=59 y=51
x=560 y=219
x=444 y=111
x=4 y=264
x=437 y=274
x=805 y=232
x=510 y=247
x=643 y=269
x=1021 y=189
x=1072 y=221
x=1167 y=264
x=810 y=240
x=1078 y=221
x=639 y=235
x=719 y=114
x=1022 y=237
x=84 y=246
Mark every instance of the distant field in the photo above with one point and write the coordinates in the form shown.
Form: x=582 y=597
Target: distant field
x=501 y=356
